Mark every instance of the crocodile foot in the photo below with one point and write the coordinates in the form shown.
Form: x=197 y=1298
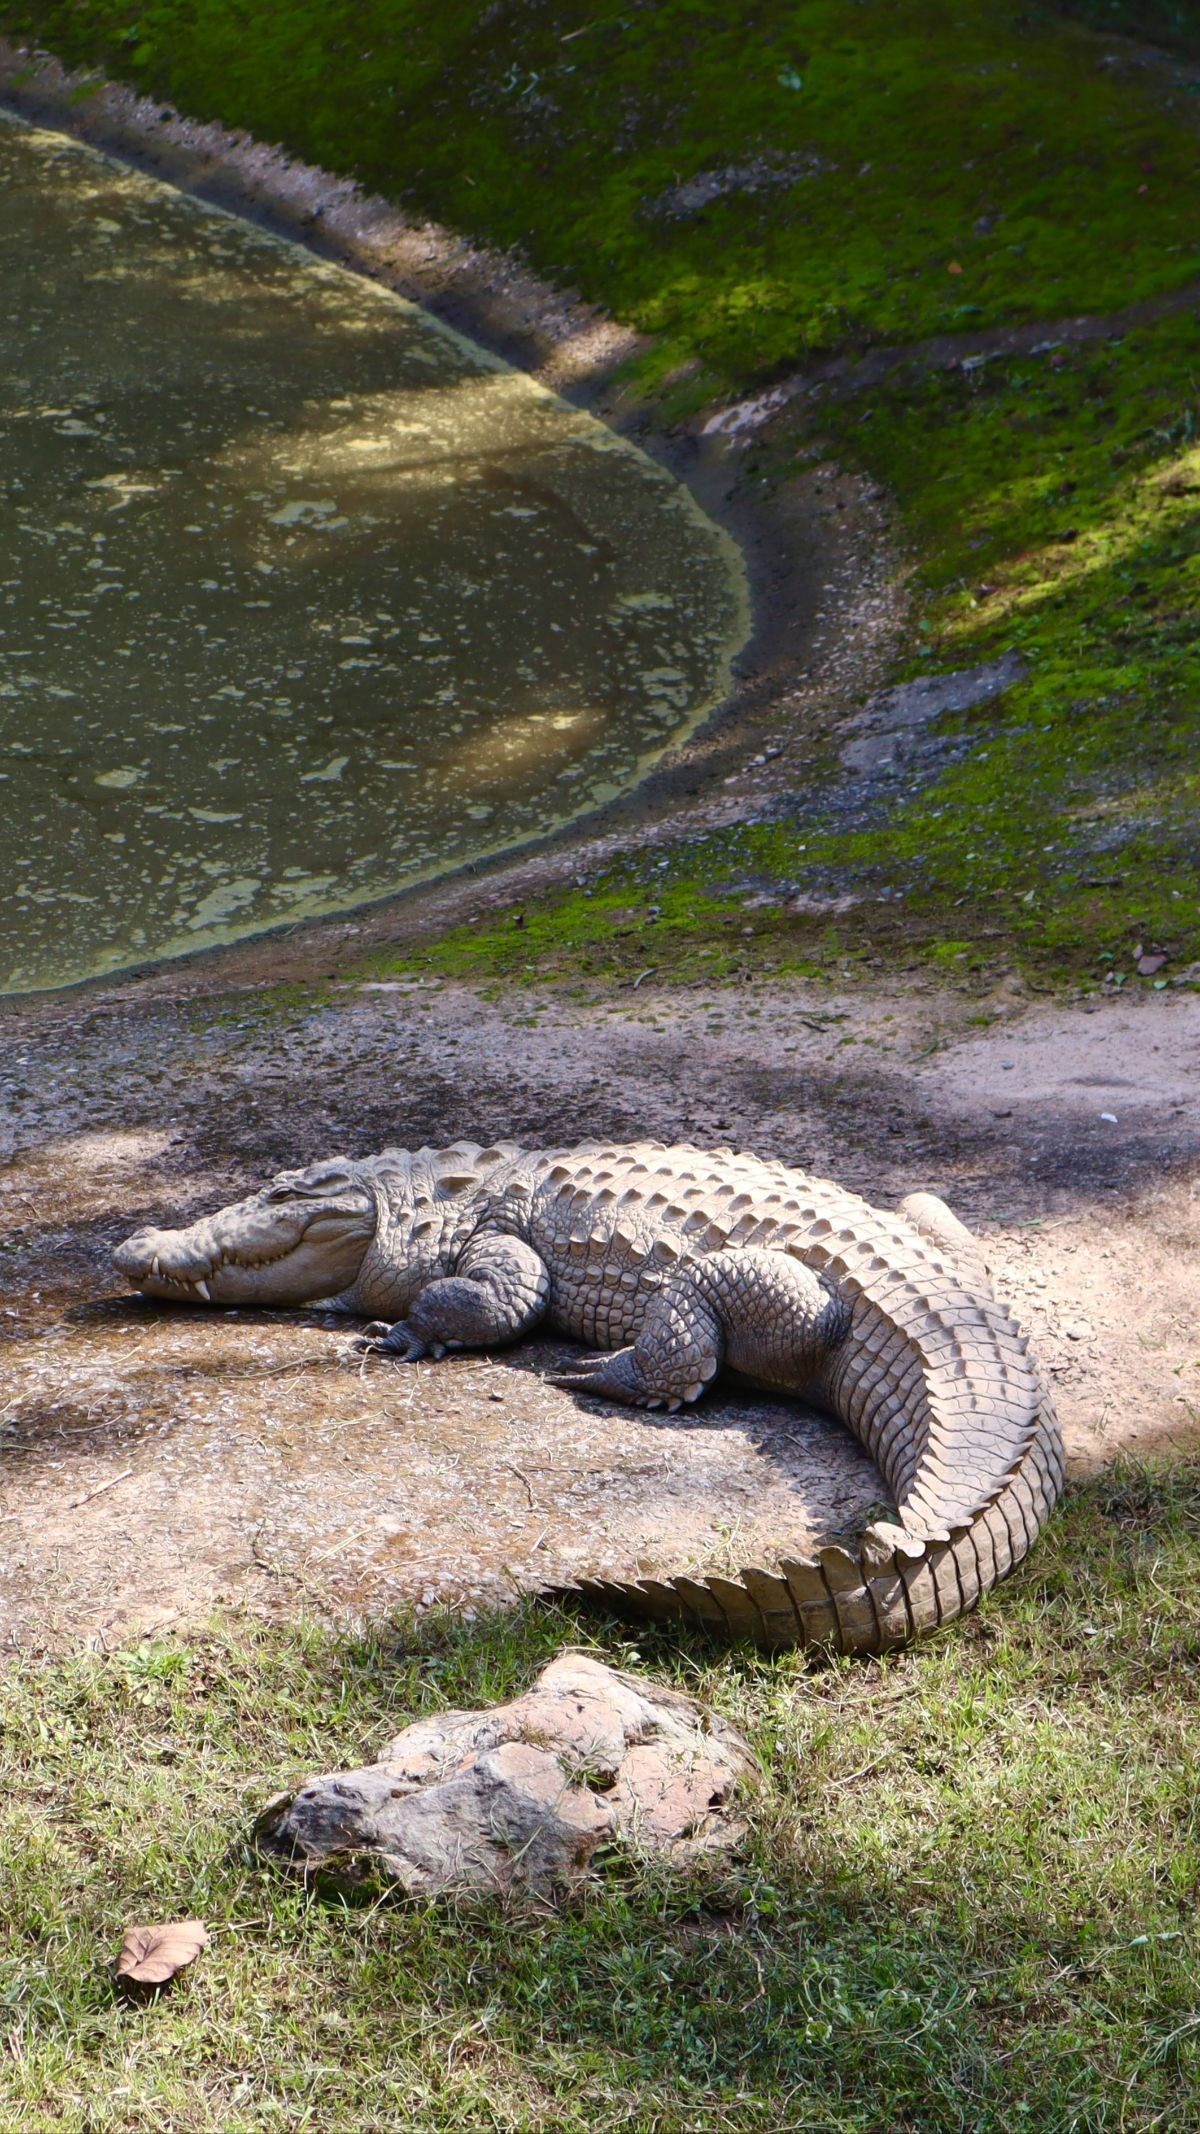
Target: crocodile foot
x=620 y=1377
x=400 y=1343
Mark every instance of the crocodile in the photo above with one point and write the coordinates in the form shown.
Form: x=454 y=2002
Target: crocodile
x=676 y=1262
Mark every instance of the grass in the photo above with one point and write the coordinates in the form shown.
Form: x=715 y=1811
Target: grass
x=1052 y=502
x=968 y=1901
x=951 y=168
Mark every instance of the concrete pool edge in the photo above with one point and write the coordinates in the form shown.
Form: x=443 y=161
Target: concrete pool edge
x=572 y=349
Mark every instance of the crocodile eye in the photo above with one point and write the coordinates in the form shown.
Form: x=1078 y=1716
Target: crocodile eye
x=329 y=1178
x=314 y=1184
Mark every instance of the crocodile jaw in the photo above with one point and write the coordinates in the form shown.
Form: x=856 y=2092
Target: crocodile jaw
x=305 y=1237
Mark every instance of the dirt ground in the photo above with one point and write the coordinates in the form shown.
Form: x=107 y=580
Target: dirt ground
x=154 y=1462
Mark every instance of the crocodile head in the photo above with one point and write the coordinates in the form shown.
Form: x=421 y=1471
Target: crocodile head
x=304 y=1237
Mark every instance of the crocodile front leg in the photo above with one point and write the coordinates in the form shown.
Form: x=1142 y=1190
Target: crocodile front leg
x=499 y=1290
x=763 y=1313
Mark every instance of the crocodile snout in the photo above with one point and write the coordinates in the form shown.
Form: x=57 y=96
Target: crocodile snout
x=280 y=1247
x=165 y=1261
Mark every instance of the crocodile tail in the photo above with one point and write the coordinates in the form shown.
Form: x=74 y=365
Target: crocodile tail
x=890 y=1587
x=935 y=1379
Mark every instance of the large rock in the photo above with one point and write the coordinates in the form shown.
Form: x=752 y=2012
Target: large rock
x=524 y=1795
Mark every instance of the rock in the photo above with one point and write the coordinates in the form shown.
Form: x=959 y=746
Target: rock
x=523 y=1796
x=888 y=726
x=691 y=196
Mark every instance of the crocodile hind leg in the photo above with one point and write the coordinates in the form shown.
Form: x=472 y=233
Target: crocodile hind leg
x=498 y=1291
x=763 y=1313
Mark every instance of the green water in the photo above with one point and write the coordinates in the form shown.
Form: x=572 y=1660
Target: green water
x=302 y=596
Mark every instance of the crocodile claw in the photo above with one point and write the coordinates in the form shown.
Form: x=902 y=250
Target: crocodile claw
x=399 y=1342
x=616 y=1377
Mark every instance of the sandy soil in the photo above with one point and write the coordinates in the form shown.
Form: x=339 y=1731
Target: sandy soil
x=154 y=1462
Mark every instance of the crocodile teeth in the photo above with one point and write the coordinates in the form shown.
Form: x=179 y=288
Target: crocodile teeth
x=202 y=1291
x=155 y=1268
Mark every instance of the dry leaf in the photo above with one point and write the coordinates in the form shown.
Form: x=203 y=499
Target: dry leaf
x=152 y=1955
x=954 y=267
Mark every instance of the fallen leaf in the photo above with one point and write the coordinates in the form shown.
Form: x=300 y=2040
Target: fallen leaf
x=1148 y=965
x=954 y=267
x=152 y=1955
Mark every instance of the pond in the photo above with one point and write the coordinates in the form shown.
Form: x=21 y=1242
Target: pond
x=303 y=597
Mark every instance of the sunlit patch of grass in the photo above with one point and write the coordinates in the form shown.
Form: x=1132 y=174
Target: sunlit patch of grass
x=1055 y=511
